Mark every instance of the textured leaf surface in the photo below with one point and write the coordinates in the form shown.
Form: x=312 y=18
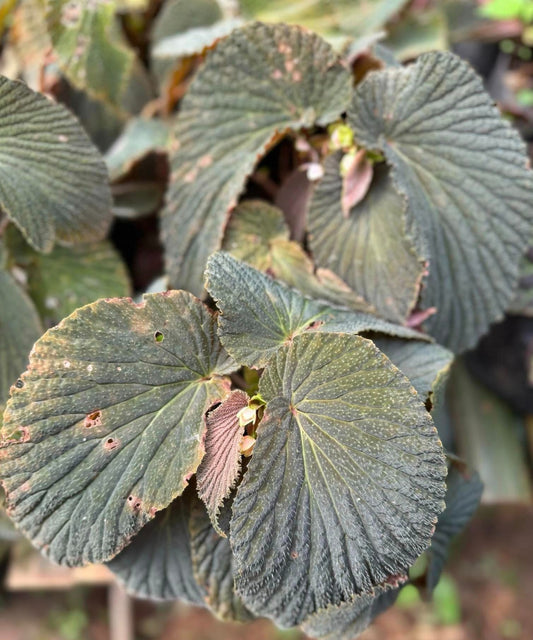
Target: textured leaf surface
x=422 y=362
x=213 y=567
x=107 y=425
x=368 y=248
x=345 y=483
x=91 y=50
x=20 y=327
x=464 y=172
x=69 y=277
x=226 y=122
x=348 y=620
x=220 y=468
x=463 y=494
x=140 y=137
x=53 y=183
x=157 y=564
x=259 y=314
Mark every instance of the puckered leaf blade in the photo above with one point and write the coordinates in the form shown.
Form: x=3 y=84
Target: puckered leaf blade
x=367 y=248
x=226 y=122
x=53 y=182
x=345 y=483
x=221 y=465
x=464 y=172
x=259 y=314
x=213 y=567
x=157 y=564
x=106 y=426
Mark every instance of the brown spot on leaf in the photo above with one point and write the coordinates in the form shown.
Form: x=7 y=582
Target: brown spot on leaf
x=111 y=443
x=297 y=75
x=190 y=176
x=294 y=555
x=277 y=74
x=93 y=419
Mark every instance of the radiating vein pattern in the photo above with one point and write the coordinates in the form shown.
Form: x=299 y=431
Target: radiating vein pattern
x=465 y=174
x=53 y=182
x=345 y=483
x=106 y=426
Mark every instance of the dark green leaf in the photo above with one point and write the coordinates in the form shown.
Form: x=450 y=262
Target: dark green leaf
x=368 y=248
x=19 y=329
x=345 y=483
x=48 y=165
x=464 y=172
x=157 y=564
x=259 y=314
x=213 y=567
x=226 y=122
x=107 y=424
x=463 y=494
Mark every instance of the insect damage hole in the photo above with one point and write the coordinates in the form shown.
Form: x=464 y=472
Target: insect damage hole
x=93 y=419
x=134 y=503
x=158 y=336
x=111 y=443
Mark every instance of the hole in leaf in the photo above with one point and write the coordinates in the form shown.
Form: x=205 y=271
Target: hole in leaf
x=111 y=443
x=93 y=419
x=19 y=383
x=134 y=502
x=158 y=336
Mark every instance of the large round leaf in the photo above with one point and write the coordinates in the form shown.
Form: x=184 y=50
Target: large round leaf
x=53 y=182
x=465 y=174
x=229 y=118
x=157 y=564
x=345 y=483
x=368 y=248
x=106 y=425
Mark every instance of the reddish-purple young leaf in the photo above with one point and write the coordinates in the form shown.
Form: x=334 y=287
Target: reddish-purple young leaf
x=356 y=180
x=221 y=465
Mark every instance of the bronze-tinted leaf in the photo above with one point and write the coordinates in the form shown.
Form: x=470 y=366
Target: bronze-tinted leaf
x=220 y=468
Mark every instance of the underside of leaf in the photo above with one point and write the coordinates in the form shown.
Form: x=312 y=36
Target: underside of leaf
x=220 y=468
